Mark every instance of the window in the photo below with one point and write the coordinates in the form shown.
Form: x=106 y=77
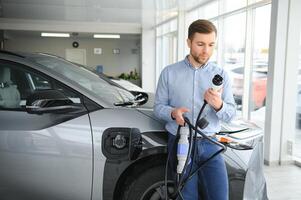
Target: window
x=17 y=83
x=166 y=45
x=230 y=5
x=234 y=48
x=165 y=10
x=260 y=61
x=242 y=46
x=210 y=10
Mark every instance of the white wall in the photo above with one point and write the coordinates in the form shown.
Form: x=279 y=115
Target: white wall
x=114 y=64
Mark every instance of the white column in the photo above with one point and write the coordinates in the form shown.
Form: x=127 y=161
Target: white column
x=290 y=82
x=148 y=73
x=282 y=80
x=275 y=84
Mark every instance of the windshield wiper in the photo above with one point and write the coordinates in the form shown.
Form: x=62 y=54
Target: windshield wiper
x=124 y=103
x=133 y=102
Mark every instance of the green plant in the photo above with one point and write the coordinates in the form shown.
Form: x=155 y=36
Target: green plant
x=130 y=76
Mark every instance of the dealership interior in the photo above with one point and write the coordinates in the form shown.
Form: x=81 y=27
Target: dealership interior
x=258 y=44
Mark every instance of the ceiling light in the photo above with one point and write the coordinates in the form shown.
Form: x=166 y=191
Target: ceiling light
x=105 y=36
x=55 y=34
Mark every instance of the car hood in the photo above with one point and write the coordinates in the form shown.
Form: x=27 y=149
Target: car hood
x=150 y=113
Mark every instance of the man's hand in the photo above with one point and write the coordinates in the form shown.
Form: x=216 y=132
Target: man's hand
x=214 y=99
x=177 y=114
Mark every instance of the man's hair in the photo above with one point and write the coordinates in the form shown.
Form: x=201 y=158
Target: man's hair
x=201 y=26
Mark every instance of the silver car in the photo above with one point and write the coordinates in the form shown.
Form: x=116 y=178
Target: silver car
x=66 y=133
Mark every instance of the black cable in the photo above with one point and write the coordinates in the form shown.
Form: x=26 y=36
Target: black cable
x=231 y=132
x=223 y=148
x=201 y=111
x=201 y=165
x=166 y=166
x=180 y=194
x=181 y=181
x=184 y=180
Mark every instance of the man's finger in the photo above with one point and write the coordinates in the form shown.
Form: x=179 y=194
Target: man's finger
x=184 y=110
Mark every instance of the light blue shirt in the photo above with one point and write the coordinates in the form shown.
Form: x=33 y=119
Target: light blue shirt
x=182 y=85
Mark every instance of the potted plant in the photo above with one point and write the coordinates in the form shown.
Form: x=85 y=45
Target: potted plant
x=133 y=77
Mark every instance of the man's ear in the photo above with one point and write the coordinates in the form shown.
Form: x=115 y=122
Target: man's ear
x=188 y=43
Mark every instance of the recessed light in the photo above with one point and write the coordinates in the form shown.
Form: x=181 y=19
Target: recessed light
x=106 y=36
x=55 y=34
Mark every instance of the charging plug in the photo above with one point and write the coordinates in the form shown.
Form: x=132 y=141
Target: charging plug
x=202 y=123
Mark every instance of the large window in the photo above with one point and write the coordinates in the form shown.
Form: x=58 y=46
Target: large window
x=242 y=47
x=166 y=45
x=260 y=62
x=233 y=42
x=165 y=10
x=230 y=5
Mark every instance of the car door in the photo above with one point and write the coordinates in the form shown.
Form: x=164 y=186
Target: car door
x=43 y=155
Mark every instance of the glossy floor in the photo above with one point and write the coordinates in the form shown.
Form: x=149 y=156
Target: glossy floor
x=283 y=182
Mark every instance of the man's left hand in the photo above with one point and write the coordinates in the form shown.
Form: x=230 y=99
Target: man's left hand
x=214 y=99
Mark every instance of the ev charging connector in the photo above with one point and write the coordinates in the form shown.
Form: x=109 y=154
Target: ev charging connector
x=183 y=148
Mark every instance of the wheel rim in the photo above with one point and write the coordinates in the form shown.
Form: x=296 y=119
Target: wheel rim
x=157 y=191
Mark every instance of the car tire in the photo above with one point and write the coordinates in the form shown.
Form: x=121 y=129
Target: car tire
x=148 y=185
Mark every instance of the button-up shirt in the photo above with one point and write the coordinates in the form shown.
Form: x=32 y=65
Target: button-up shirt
x=182 y=85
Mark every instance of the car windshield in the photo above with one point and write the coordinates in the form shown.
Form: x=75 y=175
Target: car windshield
x=87 y=79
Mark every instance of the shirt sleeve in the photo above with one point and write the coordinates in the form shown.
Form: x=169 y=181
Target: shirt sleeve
x=228 y=110
x=162 y=108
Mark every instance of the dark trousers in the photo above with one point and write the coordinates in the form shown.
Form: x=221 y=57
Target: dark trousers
x=211 y=181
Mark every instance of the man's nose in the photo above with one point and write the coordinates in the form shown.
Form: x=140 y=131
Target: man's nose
x=205 y=49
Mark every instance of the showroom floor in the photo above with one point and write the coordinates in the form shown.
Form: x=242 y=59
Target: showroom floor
x=283 y=182
x=297 y=145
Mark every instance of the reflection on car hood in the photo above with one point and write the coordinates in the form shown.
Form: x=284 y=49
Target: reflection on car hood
x=238 y=125
x=150 y=113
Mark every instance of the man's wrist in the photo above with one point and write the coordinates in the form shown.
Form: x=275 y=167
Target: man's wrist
x=220 y=107
x=172 y=117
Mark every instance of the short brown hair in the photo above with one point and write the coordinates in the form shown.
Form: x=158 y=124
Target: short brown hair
x=201 y=26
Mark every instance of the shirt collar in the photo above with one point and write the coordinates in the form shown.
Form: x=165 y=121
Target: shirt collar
x=187 y=62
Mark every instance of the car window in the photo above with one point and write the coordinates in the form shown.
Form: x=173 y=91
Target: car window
x=85 y=78
x=17 y=82
x=39 y=82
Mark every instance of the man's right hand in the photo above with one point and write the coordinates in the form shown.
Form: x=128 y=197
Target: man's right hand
x=177 y=114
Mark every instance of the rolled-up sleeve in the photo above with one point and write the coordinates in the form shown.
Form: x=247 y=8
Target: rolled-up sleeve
x=161 y=106
x=228 y=110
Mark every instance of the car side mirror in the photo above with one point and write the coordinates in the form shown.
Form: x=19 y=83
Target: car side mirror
x=141 y=97
x=50 y=101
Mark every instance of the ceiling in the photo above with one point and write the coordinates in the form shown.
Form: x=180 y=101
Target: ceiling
x=12 y=34
x=82 y=16
x=113 y=11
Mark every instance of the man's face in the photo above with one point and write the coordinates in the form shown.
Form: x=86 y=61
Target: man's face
x=201 y=47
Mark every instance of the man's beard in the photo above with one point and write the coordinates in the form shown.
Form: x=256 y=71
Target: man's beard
x=198 y=60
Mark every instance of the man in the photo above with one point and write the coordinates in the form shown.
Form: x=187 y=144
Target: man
x=182 y=89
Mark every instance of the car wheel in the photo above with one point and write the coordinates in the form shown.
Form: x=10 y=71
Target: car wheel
x=149 y=185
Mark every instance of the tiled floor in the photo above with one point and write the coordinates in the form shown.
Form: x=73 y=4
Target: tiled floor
x=283 y=182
